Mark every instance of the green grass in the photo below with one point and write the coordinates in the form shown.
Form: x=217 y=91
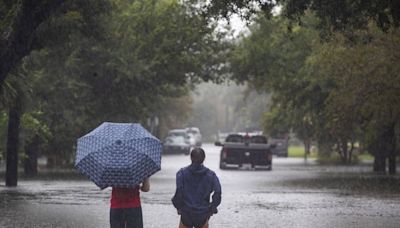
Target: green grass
x=365 y=157
x=298 y=152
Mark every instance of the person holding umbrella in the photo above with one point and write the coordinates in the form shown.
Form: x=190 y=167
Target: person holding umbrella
x=126 y=210
x=122 y=156
x=194 y=185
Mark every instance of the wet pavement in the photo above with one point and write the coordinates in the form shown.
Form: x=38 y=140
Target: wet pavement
x=293 y=194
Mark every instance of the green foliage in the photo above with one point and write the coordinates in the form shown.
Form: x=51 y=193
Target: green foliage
x=336 y=93
x=364 y=102
x=32 y=126
x=134 y=62
x=275 y=122
x=168 y=42
x=225 y=8
x=272 y=59
x=345 y=16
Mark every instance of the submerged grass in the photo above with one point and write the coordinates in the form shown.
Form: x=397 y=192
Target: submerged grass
x=334 y=158
x=365 y=184
x=49 y=174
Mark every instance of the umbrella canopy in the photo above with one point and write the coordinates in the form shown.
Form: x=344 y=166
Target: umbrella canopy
x=118 y=155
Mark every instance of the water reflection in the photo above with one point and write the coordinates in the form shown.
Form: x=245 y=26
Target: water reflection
x=293 y=194
x=53 y=204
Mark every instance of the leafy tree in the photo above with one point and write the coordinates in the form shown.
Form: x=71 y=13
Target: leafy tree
x=365 y=92
x=34 y=136
x=276 y=123
x=343 y=89
x=272 y=59
x=173 y=113
x=27 y=25
x=149 y=53
x=13 y=102
x=333 y=15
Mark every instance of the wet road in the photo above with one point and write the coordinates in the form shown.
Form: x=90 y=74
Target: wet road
x=293 y=194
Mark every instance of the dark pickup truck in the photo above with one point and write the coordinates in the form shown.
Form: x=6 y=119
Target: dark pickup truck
x=239 y=150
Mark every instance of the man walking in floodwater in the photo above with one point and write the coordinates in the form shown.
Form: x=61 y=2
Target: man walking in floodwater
x=194 y=185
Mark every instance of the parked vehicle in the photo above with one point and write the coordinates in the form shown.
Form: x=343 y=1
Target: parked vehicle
x=183 y=133
x=178 y=132
x=221 y=136
x=176 y=144
x=281 y=149
x=281 y=143
x=191 y=140
x=195 y=132
x=240 y=149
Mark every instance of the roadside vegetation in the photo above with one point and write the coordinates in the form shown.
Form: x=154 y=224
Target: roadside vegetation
x=299 y=152
x=330 y=70
x=334 y=78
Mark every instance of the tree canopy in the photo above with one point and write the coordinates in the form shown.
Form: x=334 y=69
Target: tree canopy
x=89 y=62
x=330 y=67
x=333 y=15
x=337 y=93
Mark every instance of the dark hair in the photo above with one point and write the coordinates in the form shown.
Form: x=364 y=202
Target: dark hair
x=197 y=155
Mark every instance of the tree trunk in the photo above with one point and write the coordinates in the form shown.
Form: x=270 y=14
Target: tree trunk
x=12 y=145
x=385 y=149
x=380 y=155
x=307 y=147
x=392 y=164
x=379 y=164
x=392 y=149
x=32 y=151
x=18 y=41
x=351 y=152
x=343 y=151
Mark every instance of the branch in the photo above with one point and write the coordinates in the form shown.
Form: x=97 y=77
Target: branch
x=17 y=41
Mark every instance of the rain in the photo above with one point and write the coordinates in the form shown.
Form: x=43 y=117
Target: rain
x=295 y=103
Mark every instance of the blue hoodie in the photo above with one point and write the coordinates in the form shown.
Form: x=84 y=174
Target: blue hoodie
x=194 y=185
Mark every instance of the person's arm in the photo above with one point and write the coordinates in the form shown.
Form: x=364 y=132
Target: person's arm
x=216 y=197
x=177 y=200
x=145 y=185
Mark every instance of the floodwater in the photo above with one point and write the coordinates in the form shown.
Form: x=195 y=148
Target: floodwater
x=293 y=194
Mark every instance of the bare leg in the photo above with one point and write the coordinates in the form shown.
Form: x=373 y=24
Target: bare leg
x=181 y=225
x=206 y=225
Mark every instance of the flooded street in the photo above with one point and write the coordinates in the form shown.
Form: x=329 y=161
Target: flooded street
x=293 y=194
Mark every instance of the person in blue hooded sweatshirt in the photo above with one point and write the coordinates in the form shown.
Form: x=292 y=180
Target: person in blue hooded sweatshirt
x=194 y=186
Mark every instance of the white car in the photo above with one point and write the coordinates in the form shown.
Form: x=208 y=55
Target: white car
x=189 y=139
x=176 y=144
x=195 y=132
